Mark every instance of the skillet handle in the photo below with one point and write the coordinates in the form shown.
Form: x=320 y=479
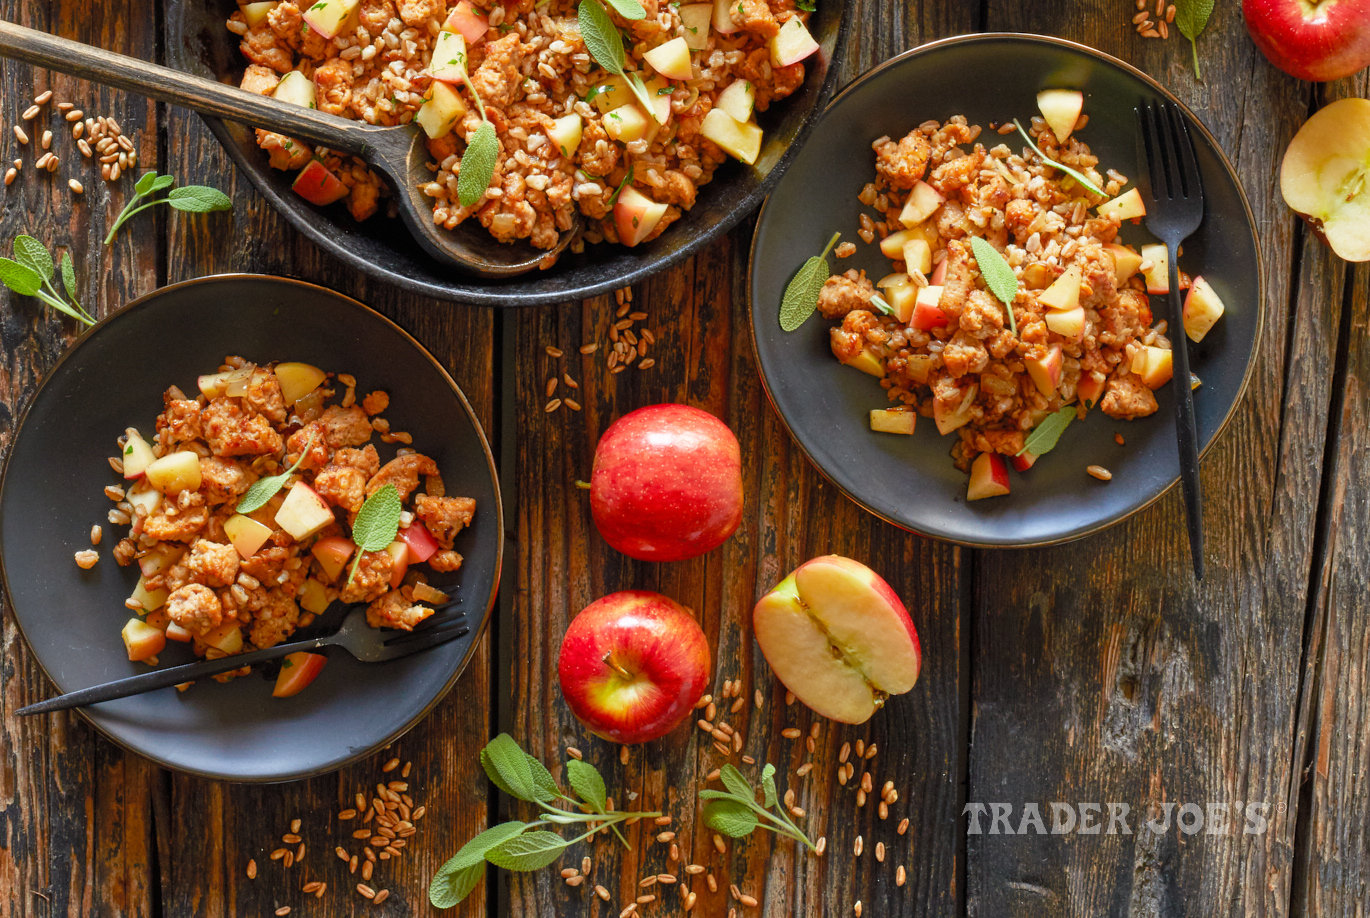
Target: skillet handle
x=167 y=85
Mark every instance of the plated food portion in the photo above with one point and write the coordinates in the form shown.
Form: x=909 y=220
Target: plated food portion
x=1011 y=298
x=540 y=117
x=253 y=507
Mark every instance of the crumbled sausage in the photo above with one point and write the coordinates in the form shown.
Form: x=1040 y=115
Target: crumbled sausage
x=171 y=522
x=345 y=426
x=372 y=577
x=195 y=608
x=905 y=162
x=842 y=293
x=214 y=564
x=342 y=486
x=1126 y=398
x=223 y=480
x=179 y=423
x=445 y=516
x=394 y=611
x=497 y=78
x=274 y=621
x=264 y=396
x=231 y=431
x=403 y=472
x=445 y=561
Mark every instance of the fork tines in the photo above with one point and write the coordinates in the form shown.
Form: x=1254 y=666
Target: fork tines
x=440 y=625
x=1168 y=152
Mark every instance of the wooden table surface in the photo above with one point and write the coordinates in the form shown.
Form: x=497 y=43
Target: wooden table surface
x=1097 y=671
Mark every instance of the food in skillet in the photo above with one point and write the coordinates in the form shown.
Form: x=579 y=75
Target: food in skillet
x=542 y=101
x=244 y=507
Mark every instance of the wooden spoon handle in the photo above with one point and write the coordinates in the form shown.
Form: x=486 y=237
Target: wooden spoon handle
x=201 y=95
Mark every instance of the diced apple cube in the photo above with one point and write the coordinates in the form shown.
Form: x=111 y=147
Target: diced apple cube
x=330 y=17
x=636 y=215
x=738 y=100
x=792 y=43
x=1153 y=365
x=1202 y=309
x=1023 y=461
x=142 y=640
x=175 y=632
x=216 y=385
x=137 y=454
x=740 y=140
x=448 y=62
x=297 y=671
x=159 y=559
x=442 y=108
x=938 y=276
x=565 y=134
x=988 y=477
x=949 y=416
x=922 y=203
x=175 y=472
x=659 y=90
x=1158 y=273
x=1091 y=388
x=254 y=14
x=927 y=310
x=296 y=88
x=228 y=637
x=671 y=59
x=611 y=94
x=1061 y=109
x=332 y=554
x=1045 y=370
x=313 y=597
x=144 y=498
x=1069 y=323
x=1126 y=261
x=1064 y=293
x=1126 y=206
x=399 y=562
x=918 y=255
x=303 y=512
x=867 y=362
x=626 y=123
x=892 y=246
x=723 y=17
x=468 y=22
x=893 y=420
x=148 y=600
x=298 y=380
x=695 y=19
x=903 y=300
x=246 y=534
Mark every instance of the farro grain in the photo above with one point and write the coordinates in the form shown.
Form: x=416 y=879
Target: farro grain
x=75 y=186
x=46 y=142
x=252 y=869
x=288 y=860
x=645 y=899
x=880 y=852
x=283 y=910
x=883 y=810
x=804 y=769
x=860 y=798
x=553 y=352
x=10 y=175
x=1099 y=472
x=647 y=882
x=903 y=826
x=1170 y=13
x=629 y=911
x=821 y=845
x=900 y=876
x=365 y=891
x=75 y=115
x=790 y=733
x=571 y=403
x=602 y=893
x=858 y=846
x=290 y=838
x=712 y=883
x=623 y=755
x=1164 y=29
x=856 y=908
x=86 y=559
x=30 y=113
x=551 y=406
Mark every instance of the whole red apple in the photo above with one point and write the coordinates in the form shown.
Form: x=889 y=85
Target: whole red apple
x=667 y=483
x=632 y=665
x=1311 y=39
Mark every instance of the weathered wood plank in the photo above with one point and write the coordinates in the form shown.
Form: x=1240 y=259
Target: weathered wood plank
x=75 y=827
x=1102 y=671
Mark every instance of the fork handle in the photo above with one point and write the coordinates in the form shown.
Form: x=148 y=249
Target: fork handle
x=1185 y=425
x=161 y=678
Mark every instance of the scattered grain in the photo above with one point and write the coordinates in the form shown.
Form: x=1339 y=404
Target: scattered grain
x=790 y=733
x=1099 y=472
x=252 y=870
x=602 y=893
x=551 y=406
x=880 y=852
x=858 y=846
x=571 y=403
x=900 y=876
x=86 y=559
x=821 y=845
x=645 y=899
x=76 y=115
x=30 y=113
x=10 y=175
x=43 y=97
x=903 y=826
x=283 y=910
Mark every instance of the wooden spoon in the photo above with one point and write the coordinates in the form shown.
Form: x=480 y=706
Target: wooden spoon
x=397 y=152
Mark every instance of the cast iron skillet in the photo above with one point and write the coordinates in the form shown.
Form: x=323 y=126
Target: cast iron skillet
x=51 y=494
x=199 y=43
x=910 y=481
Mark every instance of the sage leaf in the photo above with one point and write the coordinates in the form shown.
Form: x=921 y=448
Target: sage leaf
x=143 y=186
x=544 y=785
x=730 y=818
x=601 y=36
x=629 y=9
x=22 y=279
x=160 y=183
x=528 y=851
x=736 y=784
x=999 y=277
x=768 y=785
x=455 y=879
x=1045 y=435
x=33 y=254
x=477 y=166
x=1055 y=165
x=1191 y=18
x=802 y=292
x=263 y=489
x=198 y=199
x=588 y=784
x=69 y=277
x=507 y=765
x=378 y=521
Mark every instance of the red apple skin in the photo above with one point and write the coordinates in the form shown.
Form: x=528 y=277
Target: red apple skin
x=667 y=483
x=632 y=665
x=1318 y=41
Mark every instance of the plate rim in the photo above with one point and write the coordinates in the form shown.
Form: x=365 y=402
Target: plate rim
x=492 y=467
x=1191 y=120
x=507 y=296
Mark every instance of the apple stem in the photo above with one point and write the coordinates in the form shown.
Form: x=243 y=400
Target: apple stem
x=623 y=673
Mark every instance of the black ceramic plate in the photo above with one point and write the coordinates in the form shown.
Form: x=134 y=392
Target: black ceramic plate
x=910 y=481
x=199 y=43
x=52 y=493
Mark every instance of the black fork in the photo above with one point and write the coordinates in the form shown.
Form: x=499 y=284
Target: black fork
x=1173 y=191
x=354 y=635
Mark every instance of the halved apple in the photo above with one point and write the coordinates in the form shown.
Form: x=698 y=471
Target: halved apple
x=1325 y=176
x=1061 y=108
x=254 y=14
x=695 y=19
x=1126 y=261
x=142 y=640
x=246 y=534
x=1064 y=293
x=922 y=203
x=303 y=512
x=1126 y=206
x=297 y=671
x=738 y=100
x=868 y=363
x=838 y=637
x=1068 y=323
x=565 y=134
x=988 y=477
x=1202 y=309
x=1045 y=370
x=893 y=420
x=468 y=22
x=330 y=17
x=636 y=215
x=671 y=59
x=175 y=472
x=332 y=553
x=448 y=61
x=792 y=43
x=137 y=454
x=442 y=108
x=741 y=140
x=1154 y=365
x=297 y=380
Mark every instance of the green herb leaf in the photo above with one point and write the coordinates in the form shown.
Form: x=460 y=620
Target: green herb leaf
x=161 y=183
x=263 y=489
x=199 y=199
x=639 y=89
x=588 y=784
x=545 y=788
x=22 y=279
x=1055 y=165
x=801 y=294
x=33 y=254
x=627 y=180
x=600 y=35
x=1044 y=436
x=999 y=277
x=629 y=9
x=69 y=277
x=455 y=879
x=736 y=784
x=879 y=303
x=528 y=851
x=768 y=785
x=1191 y=17
x=506 y=764
x=477 y=165
x=378 y=521
x=730 y=818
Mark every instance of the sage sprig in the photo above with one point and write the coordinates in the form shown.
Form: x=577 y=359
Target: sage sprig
x=999 y=277
x=194 y=199
x=476 y=168
x=263 y=489
x=1191 y=17
x=31 y=273
x=801 y=294
x=527 y=846
x=377 y=523
x=735 y=813
x=1045 y=435
x=605 y=45
x=1079 y=177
